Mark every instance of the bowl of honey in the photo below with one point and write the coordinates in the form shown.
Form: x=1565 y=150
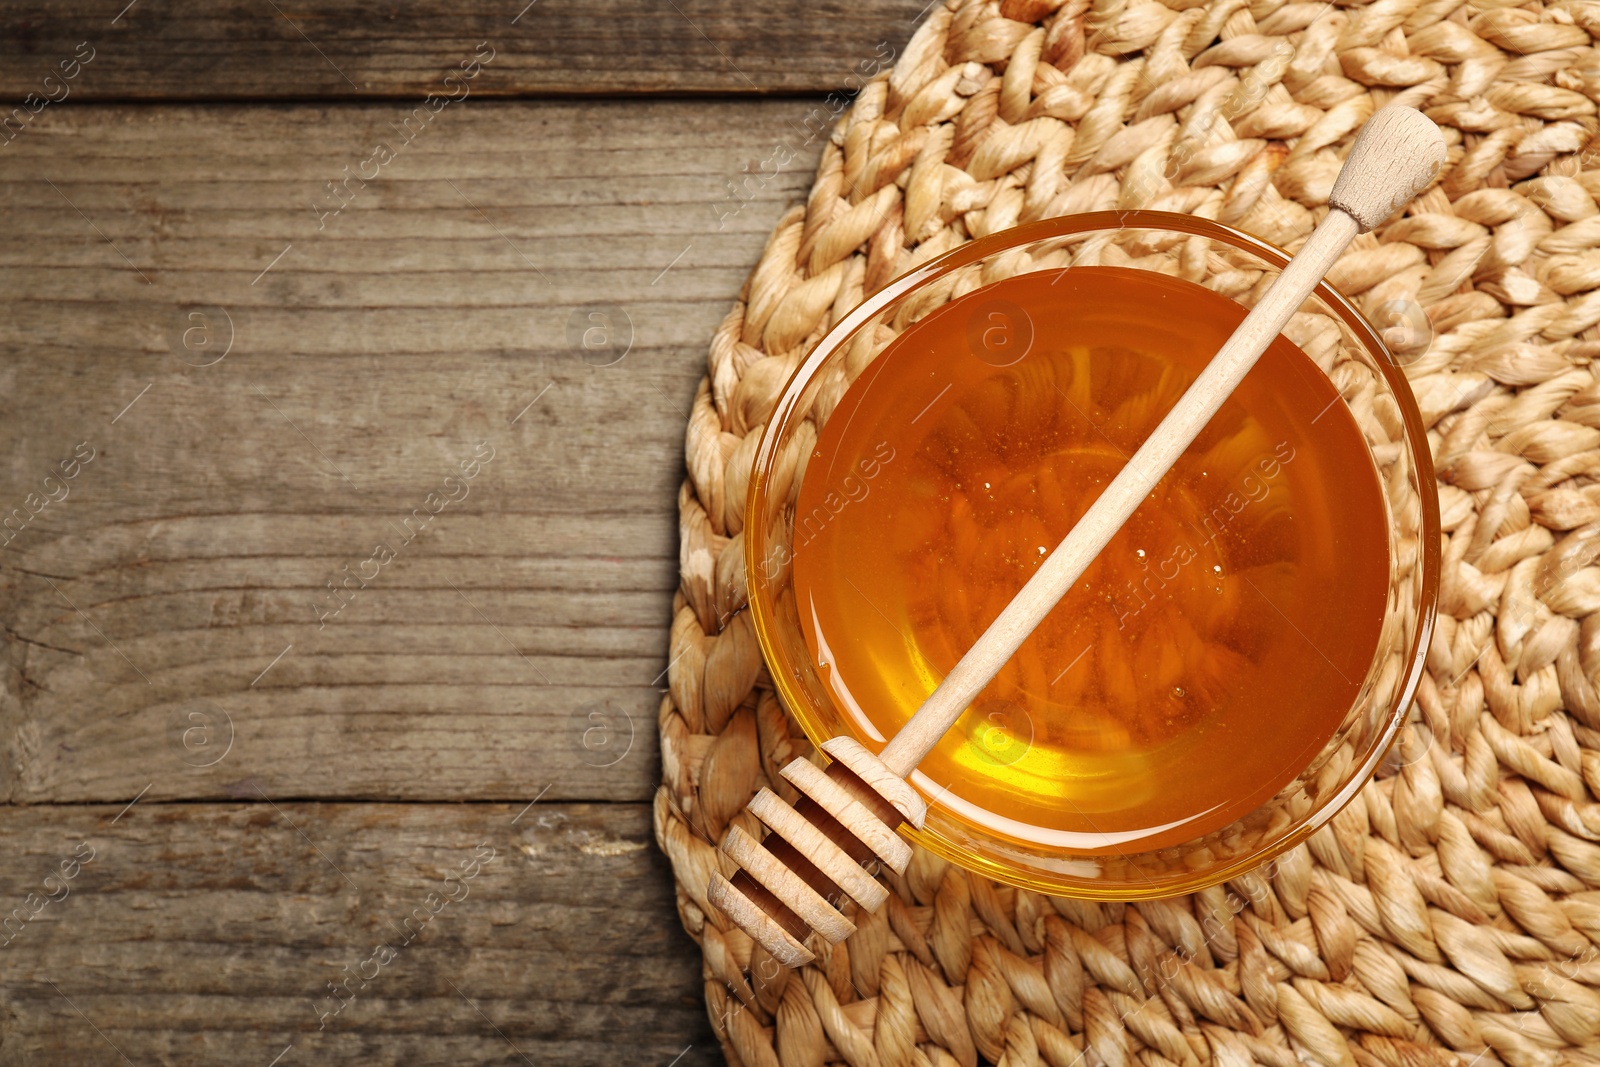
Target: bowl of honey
x=1233 y=666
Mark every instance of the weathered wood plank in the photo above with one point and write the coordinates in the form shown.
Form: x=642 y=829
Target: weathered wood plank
x=210 y=934
x=193 y=50
x=519 y=640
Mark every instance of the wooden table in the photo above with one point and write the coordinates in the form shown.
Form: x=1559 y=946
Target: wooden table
x=339 y=509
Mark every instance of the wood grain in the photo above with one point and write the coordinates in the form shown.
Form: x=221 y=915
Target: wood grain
x=518 y=642
x=209 y=934
x=191 y=50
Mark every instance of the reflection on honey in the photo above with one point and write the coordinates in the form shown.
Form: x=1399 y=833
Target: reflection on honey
x=1201 y=661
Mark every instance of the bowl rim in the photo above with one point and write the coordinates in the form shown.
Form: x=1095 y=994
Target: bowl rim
x=1086 y=223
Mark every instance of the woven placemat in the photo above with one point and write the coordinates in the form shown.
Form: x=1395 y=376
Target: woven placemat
x=1450 y=914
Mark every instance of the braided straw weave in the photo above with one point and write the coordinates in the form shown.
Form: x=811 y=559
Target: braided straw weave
x=1450 y=915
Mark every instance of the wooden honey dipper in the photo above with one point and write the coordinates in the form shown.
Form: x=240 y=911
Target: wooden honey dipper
x=793 y=882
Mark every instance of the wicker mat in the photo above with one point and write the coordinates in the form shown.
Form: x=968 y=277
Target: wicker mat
x=1450 y=915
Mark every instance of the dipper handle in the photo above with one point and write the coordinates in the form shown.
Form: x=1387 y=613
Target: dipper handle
x=1395 y=155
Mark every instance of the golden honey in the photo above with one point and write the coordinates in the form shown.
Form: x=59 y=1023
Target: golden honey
x=1200 y=662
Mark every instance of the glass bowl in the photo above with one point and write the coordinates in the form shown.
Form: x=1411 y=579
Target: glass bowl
x=1371 y=386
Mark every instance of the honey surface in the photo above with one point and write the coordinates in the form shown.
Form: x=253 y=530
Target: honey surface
x=1201 y=661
